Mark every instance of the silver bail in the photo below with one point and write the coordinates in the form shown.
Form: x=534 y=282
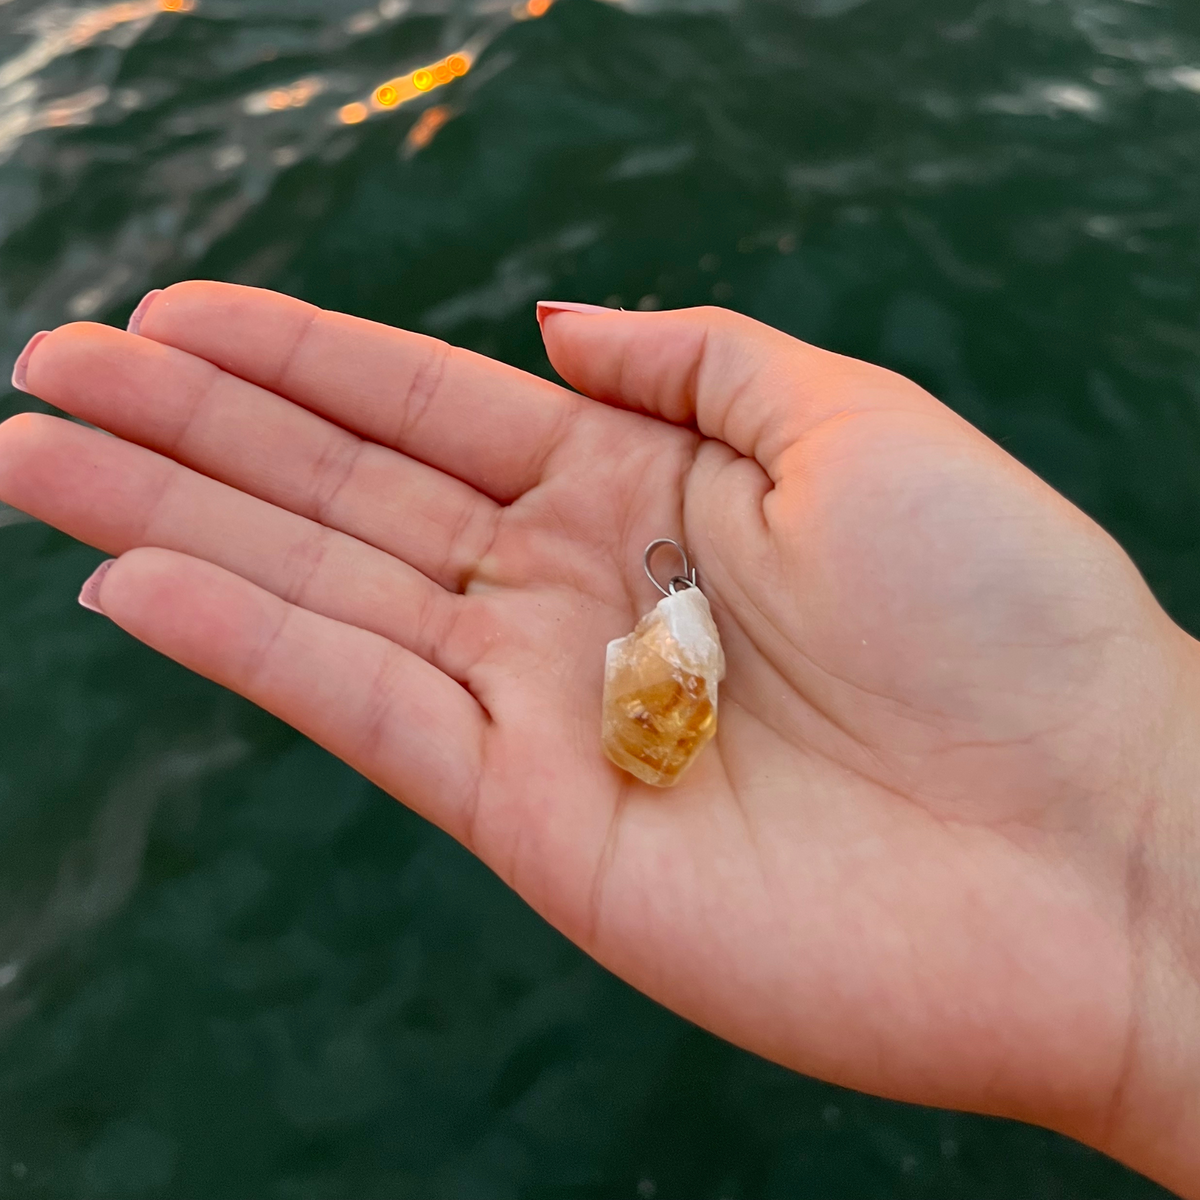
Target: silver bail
x=676 y=582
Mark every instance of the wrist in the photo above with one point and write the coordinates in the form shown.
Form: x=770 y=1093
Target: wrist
x=1154 y=1121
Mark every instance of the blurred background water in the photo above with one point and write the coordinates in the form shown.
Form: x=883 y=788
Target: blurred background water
x=229 y=967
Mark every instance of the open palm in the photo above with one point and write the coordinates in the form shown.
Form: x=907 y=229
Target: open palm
x=902 y=863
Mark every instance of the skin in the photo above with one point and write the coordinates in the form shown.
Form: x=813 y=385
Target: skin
x=940 y=847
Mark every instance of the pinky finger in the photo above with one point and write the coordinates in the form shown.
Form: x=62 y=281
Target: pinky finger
x=385 y=711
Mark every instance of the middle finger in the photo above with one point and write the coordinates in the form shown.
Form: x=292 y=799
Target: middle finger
x=256 y=441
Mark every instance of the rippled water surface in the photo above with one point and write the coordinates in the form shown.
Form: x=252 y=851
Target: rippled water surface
x=228 y=966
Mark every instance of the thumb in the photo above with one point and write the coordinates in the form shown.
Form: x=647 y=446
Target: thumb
x=733 y=378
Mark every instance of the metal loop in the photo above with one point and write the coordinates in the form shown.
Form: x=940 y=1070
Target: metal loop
x=687 y=579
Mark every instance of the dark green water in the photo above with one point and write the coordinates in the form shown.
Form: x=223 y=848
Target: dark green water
x=229 y=968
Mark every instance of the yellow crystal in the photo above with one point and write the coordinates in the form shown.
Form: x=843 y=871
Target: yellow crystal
x=660 y=689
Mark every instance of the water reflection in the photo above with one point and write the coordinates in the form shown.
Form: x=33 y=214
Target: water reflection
x=290 y=95
x=403 y=88
x=189 y=145
x=58 y=32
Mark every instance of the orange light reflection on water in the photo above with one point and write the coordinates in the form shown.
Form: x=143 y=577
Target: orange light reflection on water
x=524 y=10
x=422 y=133
x=394 y=92
x=90 y=25
x=292 y=95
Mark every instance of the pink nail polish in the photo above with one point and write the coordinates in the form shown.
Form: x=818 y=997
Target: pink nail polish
x=550 y=306
x=139 y=313
x=89 y=596
x=21 y=368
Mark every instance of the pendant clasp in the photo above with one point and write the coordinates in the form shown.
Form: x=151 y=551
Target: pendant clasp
x=676 y=582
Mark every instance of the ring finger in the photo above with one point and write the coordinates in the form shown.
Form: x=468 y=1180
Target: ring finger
x=117 y=496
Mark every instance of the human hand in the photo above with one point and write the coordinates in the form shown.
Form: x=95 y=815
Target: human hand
x=935 y=850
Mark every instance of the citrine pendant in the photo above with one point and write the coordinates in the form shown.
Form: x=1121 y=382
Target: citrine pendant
x=660 y=684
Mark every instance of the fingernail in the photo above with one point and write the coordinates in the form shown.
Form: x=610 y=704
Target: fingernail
x=21 y=368
x=549 y=306
x=139 y=313
x=89 y=596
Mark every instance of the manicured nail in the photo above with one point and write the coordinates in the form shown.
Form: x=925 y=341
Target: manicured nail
x=21 y=369
x=549 y=306
x=139 y=313
x=89 y=597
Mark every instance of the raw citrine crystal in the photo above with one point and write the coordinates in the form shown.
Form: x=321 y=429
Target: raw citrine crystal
x=660 y=689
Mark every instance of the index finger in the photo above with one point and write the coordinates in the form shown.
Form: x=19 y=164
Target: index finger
x=482 y=421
